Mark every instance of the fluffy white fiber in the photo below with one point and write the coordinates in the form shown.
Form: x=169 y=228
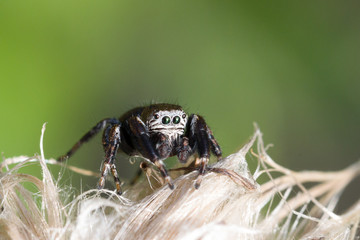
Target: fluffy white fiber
x=228 y=204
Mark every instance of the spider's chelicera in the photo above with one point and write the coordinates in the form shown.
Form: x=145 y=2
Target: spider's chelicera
x=155 y=133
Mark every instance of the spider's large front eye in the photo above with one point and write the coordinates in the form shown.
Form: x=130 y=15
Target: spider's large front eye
x=176 y=119
x=165 y=120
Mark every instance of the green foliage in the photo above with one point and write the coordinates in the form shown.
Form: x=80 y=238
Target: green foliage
x=290 y=66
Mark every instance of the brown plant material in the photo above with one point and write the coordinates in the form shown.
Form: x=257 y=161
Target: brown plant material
x=228 y=205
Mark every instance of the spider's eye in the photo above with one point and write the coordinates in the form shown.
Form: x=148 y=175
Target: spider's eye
x=176 y=119
x=184 y=116
x=165 y=120
x=156 y=116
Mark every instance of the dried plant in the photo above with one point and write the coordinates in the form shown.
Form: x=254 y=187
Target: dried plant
x=228 y=205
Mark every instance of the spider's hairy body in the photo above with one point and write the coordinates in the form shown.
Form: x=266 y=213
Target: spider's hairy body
x=154 y=132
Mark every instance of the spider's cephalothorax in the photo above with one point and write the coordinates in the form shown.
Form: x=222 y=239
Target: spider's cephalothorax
x=155 y=132
x=169 y=122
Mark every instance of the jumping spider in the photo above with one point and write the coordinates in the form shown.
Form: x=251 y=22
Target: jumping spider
x=155 y=133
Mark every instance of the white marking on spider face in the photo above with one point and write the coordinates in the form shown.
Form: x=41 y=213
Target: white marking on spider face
x=171 y=129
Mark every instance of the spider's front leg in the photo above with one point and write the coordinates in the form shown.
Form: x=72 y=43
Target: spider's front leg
x=201 y=137
x=146 y=147
x=95 y=130
x=162 y=145
x=111 y=141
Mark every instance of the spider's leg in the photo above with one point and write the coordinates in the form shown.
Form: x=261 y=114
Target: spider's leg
x=111 y=140
x=200 y=136
x=146 y=148
x=116 y=179
x=215 y=148
x=164 y=149
x=96 y=129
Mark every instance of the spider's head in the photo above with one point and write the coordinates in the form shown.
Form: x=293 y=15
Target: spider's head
x=167 y=119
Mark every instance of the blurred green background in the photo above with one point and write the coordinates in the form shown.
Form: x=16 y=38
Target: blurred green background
x=292 y=67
